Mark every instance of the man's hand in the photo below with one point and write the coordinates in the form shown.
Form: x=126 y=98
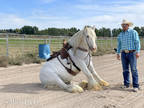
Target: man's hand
x=137 y=55
x=118 y=56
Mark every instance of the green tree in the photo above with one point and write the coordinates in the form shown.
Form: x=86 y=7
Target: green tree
x=28 y=30
x=35 y=29
x=138 y=30
x=142 y=31
x=116 y=32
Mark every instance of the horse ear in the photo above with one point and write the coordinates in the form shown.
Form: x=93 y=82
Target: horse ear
x=85 y=27
x=94 y=28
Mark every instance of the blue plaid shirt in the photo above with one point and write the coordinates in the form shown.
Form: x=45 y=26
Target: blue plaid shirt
x=128 y=40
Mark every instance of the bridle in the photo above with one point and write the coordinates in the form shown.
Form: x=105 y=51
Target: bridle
x=85 y=50
x=89 y=54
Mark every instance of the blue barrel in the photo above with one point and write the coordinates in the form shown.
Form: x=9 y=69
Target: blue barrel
x=44 y=51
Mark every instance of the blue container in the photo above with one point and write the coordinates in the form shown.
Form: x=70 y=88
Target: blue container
x=44 y=51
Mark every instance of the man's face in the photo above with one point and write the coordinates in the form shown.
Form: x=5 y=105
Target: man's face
x=125 y=27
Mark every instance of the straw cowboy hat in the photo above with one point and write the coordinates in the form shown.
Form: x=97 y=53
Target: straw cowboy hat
x=127 y=22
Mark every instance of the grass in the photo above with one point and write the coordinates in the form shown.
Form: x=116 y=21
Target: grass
x=26 y=51
x=19 y=60
x=3 y=61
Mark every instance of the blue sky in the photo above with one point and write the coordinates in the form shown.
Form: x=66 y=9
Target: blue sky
x=70 y=13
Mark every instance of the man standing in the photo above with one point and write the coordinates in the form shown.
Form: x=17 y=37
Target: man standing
x=129 y=47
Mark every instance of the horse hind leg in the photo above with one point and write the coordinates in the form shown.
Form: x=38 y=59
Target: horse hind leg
x=70 y=88
x=45 y=86
x=52 y=80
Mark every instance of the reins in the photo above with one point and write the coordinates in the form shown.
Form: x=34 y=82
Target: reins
x=63 y=53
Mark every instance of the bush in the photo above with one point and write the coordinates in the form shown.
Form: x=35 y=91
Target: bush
x=3 y=61
x=18 y=60
x=31 y=58
x=101 y=52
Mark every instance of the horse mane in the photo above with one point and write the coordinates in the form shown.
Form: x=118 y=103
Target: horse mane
x=76 y=40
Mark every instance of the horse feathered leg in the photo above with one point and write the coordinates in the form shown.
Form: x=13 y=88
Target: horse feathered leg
x=92 y=83
x=45 y=85
x=97 y=77
x=70 y=88
x=103 y=83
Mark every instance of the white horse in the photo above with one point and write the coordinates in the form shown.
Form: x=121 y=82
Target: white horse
x=54 y=73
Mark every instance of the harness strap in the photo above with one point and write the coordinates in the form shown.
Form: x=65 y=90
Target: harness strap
x=68 y=70
x=85 y=50
x=74 y=64
x=56 y=54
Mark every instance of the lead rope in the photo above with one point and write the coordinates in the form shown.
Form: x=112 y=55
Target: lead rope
x=89 y=54
x=70 y=63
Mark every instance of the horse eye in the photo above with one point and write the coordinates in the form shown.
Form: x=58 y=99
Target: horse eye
x=87 y=36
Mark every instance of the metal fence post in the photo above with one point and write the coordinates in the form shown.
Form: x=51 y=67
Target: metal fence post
x=45 y=41
x=23 y=37
x=111 y=39
x=49 y=42
x=7 y=49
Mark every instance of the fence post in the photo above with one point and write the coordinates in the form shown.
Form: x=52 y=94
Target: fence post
x=111 y=39
x=45 y=41
x=23 y=38
x=49 y=42
x=7 y=50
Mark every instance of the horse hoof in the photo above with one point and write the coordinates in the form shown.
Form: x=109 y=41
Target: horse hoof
x=96 y=87
x=77 y=89
x=104 y=83
x=83 y=84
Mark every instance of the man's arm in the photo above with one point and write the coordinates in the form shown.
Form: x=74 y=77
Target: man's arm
x=118 y=47
x=137 y=43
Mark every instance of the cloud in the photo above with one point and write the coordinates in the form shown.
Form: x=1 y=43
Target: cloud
x=87 y=7
x=11 y=21
x=92 y=14
x=44 y=15
x=111 y=15
x=116 y=7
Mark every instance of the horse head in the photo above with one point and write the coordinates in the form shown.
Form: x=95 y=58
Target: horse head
x=84 y=39
x=90 y=38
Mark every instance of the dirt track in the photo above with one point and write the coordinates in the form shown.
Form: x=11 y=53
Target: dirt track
x=20 y=88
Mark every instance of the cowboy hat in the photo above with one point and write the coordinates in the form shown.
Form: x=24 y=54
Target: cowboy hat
x=127 y=22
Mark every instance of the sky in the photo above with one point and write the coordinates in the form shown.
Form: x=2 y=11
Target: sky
x=70 y=13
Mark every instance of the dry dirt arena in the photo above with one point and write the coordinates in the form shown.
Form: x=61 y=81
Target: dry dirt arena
x=20 y=88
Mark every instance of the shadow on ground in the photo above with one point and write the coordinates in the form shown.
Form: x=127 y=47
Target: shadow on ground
x=28 y=88
x=118 y=87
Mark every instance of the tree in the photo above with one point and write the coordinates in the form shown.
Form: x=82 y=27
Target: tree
x=29 y=30
x=35 y=29
x=116 y=32
x=142 y=31
x=105 y=32
x=72 y=31
x=138 y=30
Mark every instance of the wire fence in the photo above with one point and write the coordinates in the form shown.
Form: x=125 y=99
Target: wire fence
x=13 y=44
x=20 y=44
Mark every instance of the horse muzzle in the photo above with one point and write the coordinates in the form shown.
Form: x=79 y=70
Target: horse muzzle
x=93 y=49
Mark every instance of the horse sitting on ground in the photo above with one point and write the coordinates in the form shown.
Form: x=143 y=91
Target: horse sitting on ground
x=74 y=57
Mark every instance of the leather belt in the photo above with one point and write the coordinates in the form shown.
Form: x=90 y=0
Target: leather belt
x=70 y=71
x=128 y=51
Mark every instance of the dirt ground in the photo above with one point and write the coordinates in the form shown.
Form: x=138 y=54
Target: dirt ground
x=20 y=88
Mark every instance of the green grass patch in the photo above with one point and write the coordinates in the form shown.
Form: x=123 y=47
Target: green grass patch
x=26 y=51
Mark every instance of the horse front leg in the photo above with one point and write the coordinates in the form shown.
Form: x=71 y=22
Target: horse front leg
x=97 y=77
x=92 y=83
x=68 y=87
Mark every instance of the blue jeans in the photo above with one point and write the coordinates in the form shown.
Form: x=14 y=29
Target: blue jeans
x=129 y=59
